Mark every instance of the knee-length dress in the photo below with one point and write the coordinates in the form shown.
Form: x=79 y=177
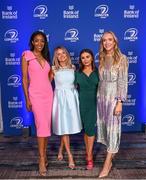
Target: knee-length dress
x=112 y=86
x=65 y=115
x=87 y=86
x=40 y=94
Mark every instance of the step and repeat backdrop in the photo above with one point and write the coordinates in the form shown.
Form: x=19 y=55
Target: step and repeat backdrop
x=75 y=24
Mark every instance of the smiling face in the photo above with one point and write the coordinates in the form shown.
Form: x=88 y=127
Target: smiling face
x=61 y=56
x=38 y=42
x=108 y=42
x=86 y=59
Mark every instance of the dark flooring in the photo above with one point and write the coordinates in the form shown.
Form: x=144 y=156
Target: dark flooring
x=19 y=158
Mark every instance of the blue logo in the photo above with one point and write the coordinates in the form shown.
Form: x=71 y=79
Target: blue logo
x=11 y=35
x=131 y=34
x=14 y=80
x=40 y=11
x=71 y=35
x=16 y=122
x=131 y=78
x=128 y=120
x=101 y=11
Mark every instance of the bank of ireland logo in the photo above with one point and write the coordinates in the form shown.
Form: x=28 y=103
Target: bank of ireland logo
x=101 y=11
x=14 y=80
x=128 y=120
x=47 y=35
x=131 y=34
x=11 y=36
x=16 y=122
x=71 y=35
x=40 y=11
x=131 y=78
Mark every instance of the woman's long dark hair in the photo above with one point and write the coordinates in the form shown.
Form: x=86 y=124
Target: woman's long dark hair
x=81 y=66
x=45 y=51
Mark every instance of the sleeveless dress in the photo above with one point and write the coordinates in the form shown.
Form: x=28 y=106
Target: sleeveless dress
x=87 y=86
x=40 y=94
x=66 y=114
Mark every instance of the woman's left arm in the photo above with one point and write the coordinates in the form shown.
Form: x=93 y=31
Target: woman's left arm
x=122 y=84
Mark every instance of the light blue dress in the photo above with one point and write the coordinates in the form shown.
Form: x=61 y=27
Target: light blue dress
x=66 y=115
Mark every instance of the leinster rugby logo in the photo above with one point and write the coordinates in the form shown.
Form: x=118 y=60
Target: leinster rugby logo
x=40 y=12
x=16 y=122
x=131 y=78
x=11 y=36
x=96 y=58
x=128 y=120
x=71 y=35
x=101 y=11
x=14 y=80
x=131 y=34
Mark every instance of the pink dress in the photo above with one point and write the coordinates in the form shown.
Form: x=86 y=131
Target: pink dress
x=40 y=94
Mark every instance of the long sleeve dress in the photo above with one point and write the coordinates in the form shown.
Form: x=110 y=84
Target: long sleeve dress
x=112 y=86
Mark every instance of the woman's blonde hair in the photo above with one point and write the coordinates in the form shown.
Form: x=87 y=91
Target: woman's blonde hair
x=102 y=52
x=55 y=59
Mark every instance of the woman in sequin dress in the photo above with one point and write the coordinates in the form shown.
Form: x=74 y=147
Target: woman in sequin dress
x=113 y=75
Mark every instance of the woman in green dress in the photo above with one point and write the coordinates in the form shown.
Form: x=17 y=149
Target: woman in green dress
x=87 y=83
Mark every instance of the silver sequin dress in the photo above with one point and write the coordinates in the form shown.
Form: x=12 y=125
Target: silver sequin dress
x=112 y=86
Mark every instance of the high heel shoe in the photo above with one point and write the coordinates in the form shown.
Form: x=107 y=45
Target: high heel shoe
x=71 y=164
x=90 y=164
x=104 y=173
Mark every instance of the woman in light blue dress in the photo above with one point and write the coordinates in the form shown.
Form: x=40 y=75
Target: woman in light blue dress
x=66 y=115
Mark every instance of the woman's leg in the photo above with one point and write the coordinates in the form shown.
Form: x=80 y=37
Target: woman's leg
x=90 y=143
x=107 y=165
x=41 y=147
x=60 y=152
x=86 y=145
x=89 y=156
x=66 y=142
x=46 y=144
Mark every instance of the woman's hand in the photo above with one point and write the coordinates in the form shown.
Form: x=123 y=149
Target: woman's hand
x=28 y=105
x=118 y=109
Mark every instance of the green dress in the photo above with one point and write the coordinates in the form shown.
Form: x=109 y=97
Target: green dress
x=87 y=87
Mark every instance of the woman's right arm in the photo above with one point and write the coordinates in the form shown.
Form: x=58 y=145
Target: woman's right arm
x=25 y=82
x=51 y=75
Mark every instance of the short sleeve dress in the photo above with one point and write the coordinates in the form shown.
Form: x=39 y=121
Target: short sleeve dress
x=40 y=94
x=87 y=86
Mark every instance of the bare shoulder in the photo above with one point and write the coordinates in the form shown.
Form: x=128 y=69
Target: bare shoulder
x=53 y=68
x=73 y=67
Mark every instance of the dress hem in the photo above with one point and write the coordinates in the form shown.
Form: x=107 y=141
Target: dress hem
x=67 y=133
x=104 y=143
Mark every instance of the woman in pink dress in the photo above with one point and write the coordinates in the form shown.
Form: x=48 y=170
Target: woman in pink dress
x=38 y=91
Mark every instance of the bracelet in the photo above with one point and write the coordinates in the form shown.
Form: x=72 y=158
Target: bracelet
x=120 y=101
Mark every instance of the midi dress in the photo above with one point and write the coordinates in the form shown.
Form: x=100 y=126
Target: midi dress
x=87 y=86
x=112 y=86
x=40 y=94
x=65 y=115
